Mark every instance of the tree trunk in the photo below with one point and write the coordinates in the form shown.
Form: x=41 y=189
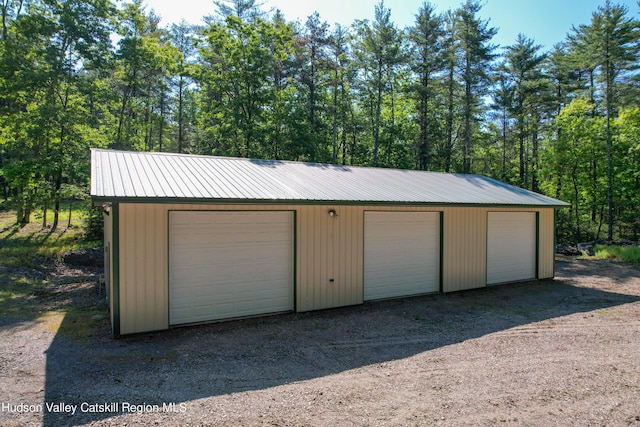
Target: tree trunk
x=376 y=123
x=70 y=210
x=576 y=196
x=467 y=118
x=534 y=160
x=56 y=195
x=335 y=120
x=450 y=108
x=504 y=144
x=161 y=128
x=608 y=96
x=180 y=114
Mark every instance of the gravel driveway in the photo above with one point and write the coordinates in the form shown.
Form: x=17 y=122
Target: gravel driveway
x=561 y=352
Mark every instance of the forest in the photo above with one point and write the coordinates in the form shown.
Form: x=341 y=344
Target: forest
x=439 y=95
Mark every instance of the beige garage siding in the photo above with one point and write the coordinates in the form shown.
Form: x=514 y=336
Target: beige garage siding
x=464 y=250
x=329 y=257
x=327 y=247
x=143 y=268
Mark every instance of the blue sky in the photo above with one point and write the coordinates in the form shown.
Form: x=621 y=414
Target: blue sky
x=545 y=21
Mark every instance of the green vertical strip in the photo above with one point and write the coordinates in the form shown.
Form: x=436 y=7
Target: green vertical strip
x=555 y=236
x=537 y=244
x=486 y=248
x=364 y=250
x=441 y=252
x=168 y=272
x=115 y=242
x=295 y=260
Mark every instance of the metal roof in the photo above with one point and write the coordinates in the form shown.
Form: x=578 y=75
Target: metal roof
x=143 y=176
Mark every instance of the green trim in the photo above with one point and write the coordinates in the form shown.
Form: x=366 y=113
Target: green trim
x=441 y=252
x=486 y=248
x=364 y=248
x=101 y=199
x=553 y=253
x=115 y=262
x=295 y=260
x=537 y=245
x=168 y=269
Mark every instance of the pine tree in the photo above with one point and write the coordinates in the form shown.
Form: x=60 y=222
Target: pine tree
x=316 y=42
x=475 y=58
x=609 y=45
x=524 y=65
x=503 y=100
x=182 y=36
x=378 y=53
x=341 y=99
x=427 y=64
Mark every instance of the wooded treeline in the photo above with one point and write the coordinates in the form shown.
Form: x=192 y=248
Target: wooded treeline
x=437 y=96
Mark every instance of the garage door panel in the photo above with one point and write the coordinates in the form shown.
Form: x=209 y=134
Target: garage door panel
x=229 y=264
x=511 y=246
x=402 y=254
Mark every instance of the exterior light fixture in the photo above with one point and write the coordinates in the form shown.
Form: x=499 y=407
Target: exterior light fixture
x=333 y=213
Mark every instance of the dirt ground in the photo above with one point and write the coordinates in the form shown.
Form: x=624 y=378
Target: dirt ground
x=562 y=352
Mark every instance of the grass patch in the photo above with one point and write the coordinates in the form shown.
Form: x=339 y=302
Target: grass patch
x=609 y=312
x=81 y=323
x=630 y=254
x=26 y=293
x=16 y=294
x=23 y=246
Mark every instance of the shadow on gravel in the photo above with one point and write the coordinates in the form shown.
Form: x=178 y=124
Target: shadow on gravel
x=185 y=364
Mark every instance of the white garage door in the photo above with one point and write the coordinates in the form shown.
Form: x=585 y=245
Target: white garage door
x=401 y=254
x=229 y=264
x=511 y=246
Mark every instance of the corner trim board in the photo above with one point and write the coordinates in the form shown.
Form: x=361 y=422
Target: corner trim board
x=115 y=241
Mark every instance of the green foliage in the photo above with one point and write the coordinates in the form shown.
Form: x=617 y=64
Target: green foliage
x=15 y=293
x=379 y=58
x=48 y=130
x=475 y=51
x=28 y=245
x=629 y=254
x=239 y=60
x=144 y=60
x=609 y=47
x=93 y=221
x=434 y=97
x=627 y=172
x=427 y=54
x=570 y=165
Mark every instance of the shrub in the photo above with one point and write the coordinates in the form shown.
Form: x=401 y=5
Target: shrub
x=94 y=222
x=625 y=253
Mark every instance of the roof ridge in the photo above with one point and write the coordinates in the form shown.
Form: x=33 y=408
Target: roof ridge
x=255 y=159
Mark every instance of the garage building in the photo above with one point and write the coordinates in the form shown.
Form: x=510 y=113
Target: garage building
x=192 y=239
